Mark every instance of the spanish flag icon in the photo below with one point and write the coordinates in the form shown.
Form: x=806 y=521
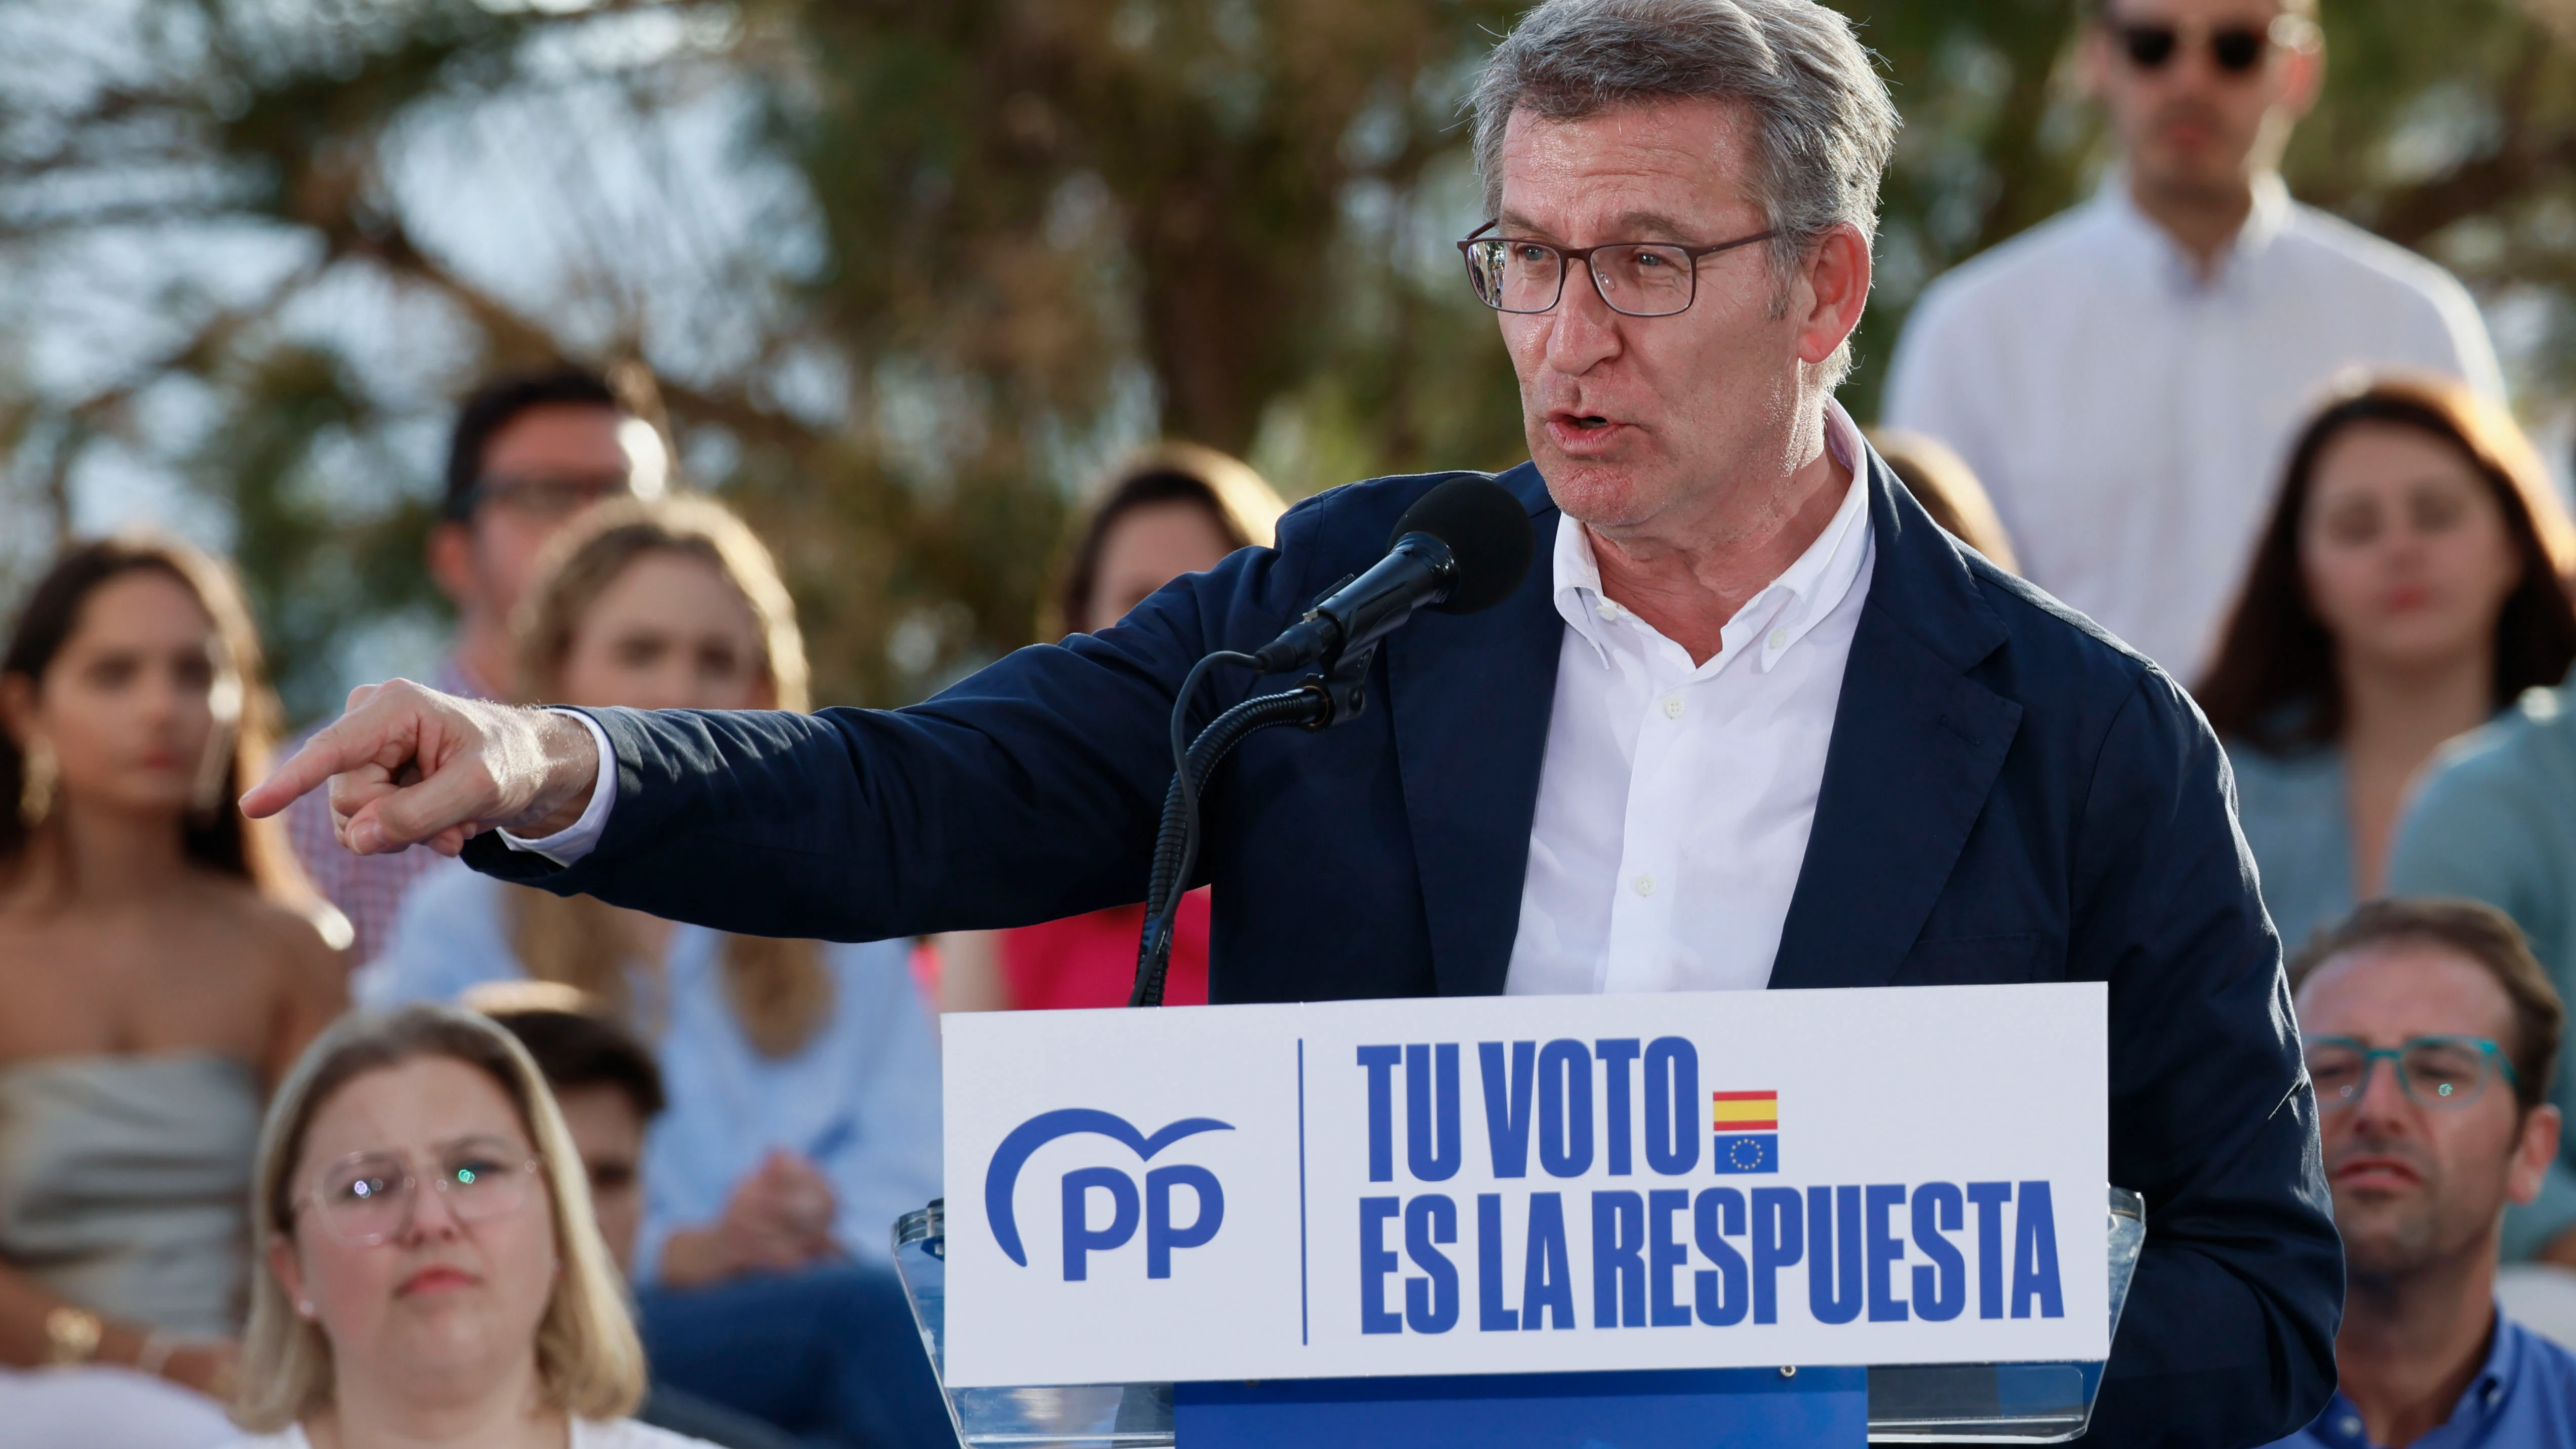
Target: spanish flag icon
x=1748 y=1131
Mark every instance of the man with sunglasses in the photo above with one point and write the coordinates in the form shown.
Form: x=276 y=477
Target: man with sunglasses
x=2431 y=1033
x=1749 y=722
x=2126 y=379
x=529 y=451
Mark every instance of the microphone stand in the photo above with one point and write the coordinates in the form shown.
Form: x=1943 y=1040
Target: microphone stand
x=1319 y=701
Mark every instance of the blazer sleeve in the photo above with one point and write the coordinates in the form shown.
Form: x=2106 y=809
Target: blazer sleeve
x=2228 y=1335
x=1029 y=792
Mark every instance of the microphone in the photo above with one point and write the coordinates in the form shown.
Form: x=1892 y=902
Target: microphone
x=1461 y=547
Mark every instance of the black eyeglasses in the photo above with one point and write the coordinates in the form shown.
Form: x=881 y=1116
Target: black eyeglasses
x=1636 y=279
x=2235 y=49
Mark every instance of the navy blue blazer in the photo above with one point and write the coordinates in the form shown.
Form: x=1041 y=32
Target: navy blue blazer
x=2009 y=796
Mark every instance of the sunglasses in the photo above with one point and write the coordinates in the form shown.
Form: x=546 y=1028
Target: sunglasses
x=2234 y=49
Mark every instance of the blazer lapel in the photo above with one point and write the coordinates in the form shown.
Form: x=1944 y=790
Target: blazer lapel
x=1915 y=751
x=1469 y=696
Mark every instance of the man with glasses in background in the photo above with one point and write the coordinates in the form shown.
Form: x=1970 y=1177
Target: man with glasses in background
x=2422 y=1158
x=2126 y=378
x=528 y=452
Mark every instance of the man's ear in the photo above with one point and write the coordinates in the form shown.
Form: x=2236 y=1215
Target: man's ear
x=2094 y=54
x=451 y=562
x=2303 y=65
x=1834 y=288
x=2532 y=1154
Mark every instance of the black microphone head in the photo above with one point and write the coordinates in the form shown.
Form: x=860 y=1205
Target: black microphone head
x=1488 y=534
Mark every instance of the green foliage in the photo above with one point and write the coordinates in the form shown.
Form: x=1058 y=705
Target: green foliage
x=956 y=254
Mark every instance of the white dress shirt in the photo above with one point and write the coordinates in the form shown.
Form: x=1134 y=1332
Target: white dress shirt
x=1674 y=799
x=2131 y=420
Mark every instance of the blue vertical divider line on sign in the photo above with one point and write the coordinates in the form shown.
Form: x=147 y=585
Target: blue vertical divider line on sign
x=1817 y=1408
x=1304 y=1325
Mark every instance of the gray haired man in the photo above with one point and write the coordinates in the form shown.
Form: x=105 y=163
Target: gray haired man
x=1753 y=722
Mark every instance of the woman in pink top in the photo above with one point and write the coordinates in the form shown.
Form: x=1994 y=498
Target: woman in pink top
x=1168 y=511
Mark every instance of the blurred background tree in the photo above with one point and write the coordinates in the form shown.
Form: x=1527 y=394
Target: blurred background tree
x=908 y=274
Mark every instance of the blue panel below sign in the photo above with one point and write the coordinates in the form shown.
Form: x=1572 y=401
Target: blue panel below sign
x=1824 y=1408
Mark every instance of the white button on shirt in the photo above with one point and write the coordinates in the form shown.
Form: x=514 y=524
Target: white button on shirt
x=2131 y=419
x=1694 y=783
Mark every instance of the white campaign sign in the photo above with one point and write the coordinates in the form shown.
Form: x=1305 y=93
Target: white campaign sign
x=1527 y=1184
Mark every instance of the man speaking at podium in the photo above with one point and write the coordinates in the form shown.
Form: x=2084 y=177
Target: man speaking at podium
x=1751 y=720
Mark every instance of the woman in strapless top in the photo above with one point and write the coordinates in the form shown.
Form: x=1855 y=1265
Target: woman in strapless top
x=160 y=966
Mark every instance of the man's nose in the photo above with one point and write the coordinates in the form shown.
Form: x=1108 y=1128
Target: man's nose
x=2383 y=1103
x=1583 y=330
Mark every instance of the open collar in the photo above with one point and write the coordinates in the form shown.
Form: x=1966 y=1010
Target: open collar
x=2152 y=257
x=1790 y=606
x=1916 y=746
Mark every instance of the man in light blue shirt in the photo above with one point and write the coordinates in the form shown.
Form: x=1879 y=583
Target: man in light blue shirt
x=2422 y=1158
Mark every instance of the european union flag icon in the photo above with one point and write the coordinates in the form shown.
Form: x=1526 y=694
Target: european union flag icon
x=1748 y=1130
x=1748 y=1152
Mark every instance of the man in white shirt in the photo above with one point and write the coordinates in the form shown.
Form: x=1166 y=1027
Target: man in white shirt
x=2126 y=378
x=1754 y=723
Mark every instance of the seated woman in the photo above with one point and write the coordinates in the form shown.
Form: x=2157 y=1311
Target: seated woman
x=1168 y=511
x=803 y=1078
x=2411 y=582
x=432 y=1275
x=161 y=964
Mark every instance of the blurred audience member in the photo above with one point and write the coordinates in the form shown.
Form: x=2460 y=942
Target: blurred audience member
x=1171 y=510
x=2407 y=586
x=609 y=1090
x=528 y=453
x=433 y=1274
x=2422 y=1159
x=2125 y=378
x=161 y=963
x=2494 y=820
x=1948 y=489
x=803 y=1077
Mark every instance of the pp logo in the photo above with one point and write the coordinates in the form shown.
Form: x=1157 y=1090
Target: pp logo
x=1082 y=1237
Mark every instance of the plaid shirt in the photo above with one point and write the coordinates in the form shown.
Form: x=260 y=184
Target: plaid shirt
x=368 y=889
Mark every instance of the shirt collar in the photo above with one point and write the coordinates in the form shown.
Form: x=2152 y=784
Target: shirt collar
x=1790 y=605
x=2340 y=1425
x=2164 y=258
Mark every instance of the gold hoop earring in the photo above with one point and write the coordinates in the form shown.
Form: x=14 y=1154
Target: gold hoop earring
x=38 y=770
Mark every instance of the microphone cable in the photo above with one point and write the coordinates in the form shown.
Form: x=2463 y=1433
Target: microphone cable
x=1176 y=846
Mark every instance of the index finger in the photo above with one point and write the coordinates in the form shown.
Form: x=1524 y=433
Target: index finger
x=322 y=757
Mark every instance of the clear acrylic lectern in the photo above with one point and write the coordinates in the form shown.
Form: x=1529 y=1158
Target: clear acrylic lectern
x=1990 y=1403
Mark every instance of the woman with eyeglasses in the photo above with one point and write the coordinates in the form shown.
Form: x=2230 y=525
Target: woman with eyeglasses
x=432 y=1275
x=2409 y=584
x=161 y=963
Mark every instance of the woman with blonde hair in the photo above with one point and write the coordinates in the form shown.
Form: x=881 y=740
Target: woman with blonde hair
x=433 y=1275
x=162 y=962
x=803 y=1078
x=1168 y=510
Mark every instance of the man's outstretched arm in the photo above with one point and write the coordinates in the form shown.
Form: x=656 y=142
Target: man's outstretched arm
x=1027 y=792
